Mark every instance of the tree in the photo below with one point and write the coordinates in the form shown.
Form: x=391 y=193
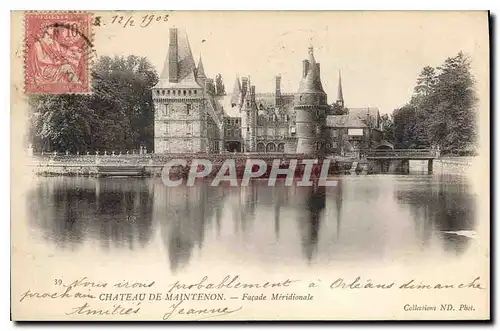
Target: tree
x=210 y=87
x=63 y=122
x=405 y=134
x=219 y=85
x=442 y=109
x=339 y=109
x=118 y=115
x=454 y=122
x=387 y=125
x=426 y=82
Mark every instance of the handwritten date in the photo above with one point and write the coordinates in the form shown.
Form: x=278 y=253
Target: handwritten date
x=143 y=21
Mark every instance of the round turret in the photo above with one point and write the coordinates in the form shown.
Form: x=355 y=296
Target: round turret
x=310 y=107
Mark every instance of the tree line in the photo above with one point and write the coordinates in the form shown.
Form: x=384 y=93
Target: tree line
x=441 y=112
x=117 y=116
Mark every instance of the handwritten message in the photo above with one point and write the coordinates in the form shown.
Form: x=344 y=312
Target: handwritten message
x=207 y=298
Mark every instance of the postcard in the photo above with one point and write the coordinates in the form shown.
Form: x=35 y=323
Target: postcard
x=250 y=166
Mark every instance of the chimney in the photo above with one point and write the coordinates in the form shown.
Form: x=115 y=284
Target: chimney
x=244 y=86
x=305 y=68
x=172 y=56
x=277 y=101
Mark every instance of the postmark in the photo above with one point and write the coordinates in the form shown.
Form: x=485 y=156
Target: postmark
x=55 y=52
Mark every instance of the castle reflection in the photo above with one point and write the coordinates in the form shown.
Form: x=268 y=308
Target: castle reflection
x=358 y=219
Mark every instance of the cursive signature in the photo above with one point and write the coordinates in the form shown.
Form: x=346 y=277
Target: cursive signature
x=201 y=313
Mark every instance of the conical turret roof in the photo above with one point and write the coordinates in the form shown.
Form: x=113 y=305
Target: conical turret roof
x=340 y=94
x=235 y=96
x=311 y=83
x=200 y=71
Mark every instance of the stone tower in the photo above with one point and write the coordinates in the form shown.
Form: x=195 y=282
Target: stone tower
x=180 y=121
x=249 y=114
x=311 y=107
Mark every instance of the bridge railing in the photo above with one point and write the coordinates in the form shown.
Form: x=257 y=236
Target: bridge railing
x=401 y=153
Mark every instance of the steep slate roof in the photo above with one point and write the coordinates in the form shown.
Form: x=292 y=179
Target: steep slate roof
x=224 y=103
x=185 y=64
x=344 y=121
x=369 y=115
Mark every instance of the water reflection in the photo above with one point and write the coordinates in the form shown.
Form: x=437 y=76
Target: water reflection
x=446 y=206
x=362 y=218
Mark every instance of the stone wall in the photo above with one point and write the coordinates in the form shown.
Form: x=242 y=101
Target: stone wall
x=179 y=126
x=456 y=165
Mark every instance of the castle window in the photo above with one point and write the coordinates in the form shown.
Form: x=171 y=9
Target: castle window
x=165 y=110
x=188 y=107
x=168 y=92
x=248 y=129
x=166 y=129
x=185 y=92
x=163 y=92
x=195 y=92
x=190 y=92
x=158 y=92
x=178 y=92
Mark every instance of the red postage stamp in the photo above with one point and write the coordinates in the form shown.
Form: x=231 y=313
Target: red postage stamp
x=56 y=52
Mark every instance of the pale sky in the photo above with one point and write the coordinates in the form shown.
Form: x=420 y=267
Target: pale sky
x=380 y=54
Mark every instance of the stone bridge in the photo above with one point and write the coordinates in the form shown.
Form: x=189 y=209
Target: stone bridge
x=388 y=160
x=399 y=154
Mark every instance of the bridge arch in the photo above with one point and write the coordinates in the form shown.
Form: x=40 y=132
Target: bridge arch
x=384 y=145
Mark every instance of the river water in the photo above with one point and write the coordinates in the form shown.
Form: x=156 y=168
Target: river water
x=403 y=219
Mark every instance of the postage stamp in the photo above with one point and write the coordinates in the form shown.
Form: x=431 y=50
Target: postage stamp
x=56 y=45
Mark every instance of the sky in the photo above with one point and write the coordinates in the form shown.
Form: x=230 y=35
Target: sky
x=380 y=54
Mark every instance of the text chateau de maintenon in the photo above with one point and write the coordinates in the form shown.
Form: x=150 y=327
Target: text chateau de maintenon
x=191 y=119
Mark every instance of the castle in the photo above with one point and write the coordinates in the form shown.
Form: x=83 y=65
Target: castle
x=191 y=118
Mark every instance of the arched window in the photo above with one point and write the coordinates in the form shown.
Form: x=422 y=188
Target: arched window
x=270 y=148
x=281 y=147
x=260 y=147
